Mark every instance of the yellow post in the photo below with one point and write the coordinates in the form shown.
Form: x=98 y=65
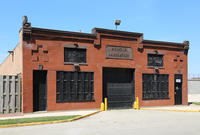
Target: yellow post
x=106 y=104
x=102 y=106
x=136 y=103
x=137 y=100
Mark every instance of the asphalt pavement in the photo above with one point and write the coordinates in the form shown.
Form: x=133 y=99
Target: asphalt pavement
x=118 y=122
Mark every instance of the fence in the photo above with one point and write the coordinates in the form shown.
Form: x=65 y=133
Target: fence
x=194 y=90
x=10 y=94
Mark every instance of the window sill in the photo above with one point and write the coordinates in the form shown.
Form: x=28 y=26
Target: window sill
x=75 y=101
x=156 y=99
x=155 y=67
x=73 y=63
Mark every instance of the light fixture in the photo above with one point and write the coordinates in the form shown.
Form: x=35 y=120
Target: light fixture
x=40 y=67
x=156 y=70
x=10 y=51
x=76 y=45
x=12 y=54
x=76 y=67
x=117 y=23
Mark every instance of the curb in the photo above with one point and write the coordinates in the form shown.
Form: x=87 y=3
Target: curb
x=170 y=110
x=49 y=122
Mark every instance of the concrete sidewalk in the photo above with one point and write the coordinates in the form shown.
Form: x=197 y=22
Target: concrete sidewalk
x=185 y=108
x=45 y=114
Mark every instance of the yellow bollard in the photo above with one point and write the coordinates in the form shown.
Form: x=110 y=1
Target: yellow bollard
x=102 y=106
x=106 y=104
x=136 y=104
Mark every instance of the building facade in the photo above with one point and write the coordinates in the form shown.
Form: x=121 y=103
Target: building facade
x=64 y=70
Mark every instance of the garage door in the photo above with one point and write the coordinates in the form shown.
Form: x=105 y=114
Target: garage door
x=118 y=87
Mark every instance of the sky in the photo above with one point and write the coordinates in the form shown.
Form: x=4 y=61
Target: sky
x=169 y=20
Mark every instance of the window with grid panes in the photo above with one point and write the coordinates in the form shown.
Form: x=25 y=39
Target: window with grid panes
x=75 y=55
x=155 y=60
x=74 y=86
x=155 y=86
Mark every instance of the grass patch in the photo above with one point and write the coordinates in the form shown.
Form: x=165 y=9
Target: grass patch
x=37 y=119
x=196 y=103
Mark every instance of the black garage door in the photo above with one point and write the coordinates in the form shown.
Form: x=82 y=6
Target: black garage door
x=118 y=87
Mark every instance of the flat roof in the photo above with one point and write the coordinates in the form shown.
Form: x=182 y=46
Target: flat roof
x=93 y=35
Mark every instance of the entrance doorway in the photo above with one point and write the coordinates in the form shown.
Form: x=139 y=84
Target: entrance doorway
x=178 y=89
x=118 y=87
x=39 y=90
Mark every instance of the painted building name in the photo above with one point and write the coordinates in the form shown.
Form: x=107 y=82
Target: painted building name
x=118 y=52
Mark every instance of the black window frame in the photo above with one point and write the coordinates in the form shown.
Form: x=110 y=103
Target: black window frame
x=154 y=87
x=69 y=83
x=153 y=57
x=75 y=58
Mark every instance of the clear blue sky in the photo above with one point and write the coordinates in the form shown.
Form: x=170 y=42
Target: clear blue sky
x=169 y=20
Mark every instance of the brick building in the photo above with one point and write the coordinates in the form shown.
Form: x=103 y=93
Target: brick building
x=64 y=70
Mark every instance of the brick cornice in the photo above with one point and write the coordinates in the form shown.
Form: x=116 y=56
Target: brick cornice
x=116 y=32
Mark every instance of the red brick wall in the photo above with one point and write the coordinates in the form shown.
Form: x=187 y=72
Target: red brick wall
x=96 y=59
